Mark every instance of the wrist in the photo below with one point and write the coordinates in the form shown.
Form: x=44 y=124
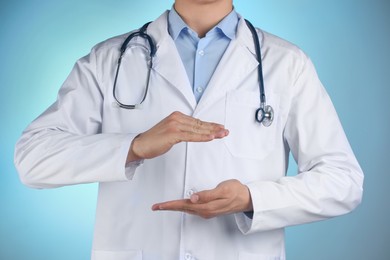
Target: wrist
x=248 y=200
x=132 y=154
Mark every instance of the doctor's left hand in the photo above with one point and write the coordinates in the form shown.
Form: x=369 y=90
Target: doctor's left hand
x=228 y=197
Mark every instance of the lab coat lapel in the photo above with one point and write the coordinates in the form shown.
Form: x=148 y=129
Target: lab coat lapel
x=228 y=75
x=167 y=61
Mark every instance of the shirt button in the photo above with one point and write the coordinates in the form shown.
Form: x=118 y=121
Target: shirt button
x=188 y=256
x=199 y=89
x=201 y=53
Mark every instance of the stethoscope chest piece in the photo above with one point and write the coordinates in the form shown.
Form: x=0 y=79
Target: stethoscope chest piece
x=265 y=115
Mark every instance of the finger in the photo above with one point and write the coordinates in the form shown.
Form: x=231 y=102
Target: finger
x=174 y=205
x=189 y=136
x=184 y=206
x=206 y=196
x=216 y=134
x=189 y=123
x=194 y=137
x=200 y=127
x=205 y=210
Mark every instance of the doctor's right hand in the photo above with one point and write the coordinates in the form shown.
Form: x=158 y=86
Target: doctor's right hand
x=172 y=130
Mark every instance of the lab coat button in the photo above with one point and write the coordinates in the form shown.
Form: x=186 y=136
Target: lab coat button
x=188 y=256
x=190 y=192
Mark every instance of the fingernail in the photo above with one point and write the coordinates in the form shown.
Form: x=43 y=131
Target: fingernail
x=157 y=207
x=223 y=133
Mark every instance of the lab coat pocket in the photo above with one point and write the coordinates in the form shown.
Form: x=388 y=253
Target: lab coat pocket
x=250 y=256
x=116 y=255
x=247 y=137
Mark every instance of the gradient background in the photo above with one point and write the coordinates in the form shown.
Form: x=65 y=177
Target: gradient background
x=348 y=41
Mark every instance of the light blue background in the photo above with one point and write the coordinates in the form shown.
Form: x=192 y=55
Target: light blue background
x=348 y=40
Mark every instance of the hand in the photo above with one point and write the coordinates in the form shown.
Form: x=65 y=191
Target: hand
x=173 y=129
x=228 y=197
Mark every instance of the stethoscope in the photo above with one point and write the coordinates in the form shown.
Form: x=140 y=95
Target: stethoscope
x=264 y=114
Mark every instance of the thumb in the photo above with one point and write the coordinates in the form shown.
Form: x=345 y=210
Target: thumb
x=204 y=196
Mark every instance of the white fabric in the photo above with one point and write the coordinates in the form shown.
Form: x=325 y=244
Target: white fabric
x=84 y=138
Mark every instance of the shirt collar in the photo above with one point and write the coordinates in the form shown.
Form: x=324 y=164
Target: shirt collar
x=228 y=26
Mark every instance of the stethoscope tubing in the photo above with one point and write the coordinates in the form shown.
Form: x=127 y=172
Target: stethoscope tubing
x=264 y=114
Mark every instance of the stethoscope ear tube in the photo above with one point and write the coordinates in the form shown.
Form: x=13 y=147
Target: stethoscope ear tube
x=264 y=114
x=152 y=49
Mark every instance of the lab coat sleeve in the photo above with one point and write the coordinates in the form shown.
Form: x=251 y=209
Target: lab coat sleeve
x=329 y=180
x=65 y=145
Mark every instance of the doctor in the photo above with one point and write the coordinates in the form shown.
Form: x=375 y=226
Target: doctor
x=190 y=174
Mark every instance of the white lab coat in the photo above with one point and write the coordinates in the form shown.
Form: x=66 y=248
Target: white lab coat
x=84 y=138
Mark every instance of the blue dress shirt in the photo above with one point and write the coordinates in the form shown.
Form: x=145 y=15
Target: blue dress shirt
x=201 y=56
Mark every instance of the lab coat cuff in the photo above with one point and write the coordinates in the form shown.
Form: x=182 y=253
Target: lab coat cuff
x=130 y=167
x=249 y=225
x=244 y=223
x=244 y=219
